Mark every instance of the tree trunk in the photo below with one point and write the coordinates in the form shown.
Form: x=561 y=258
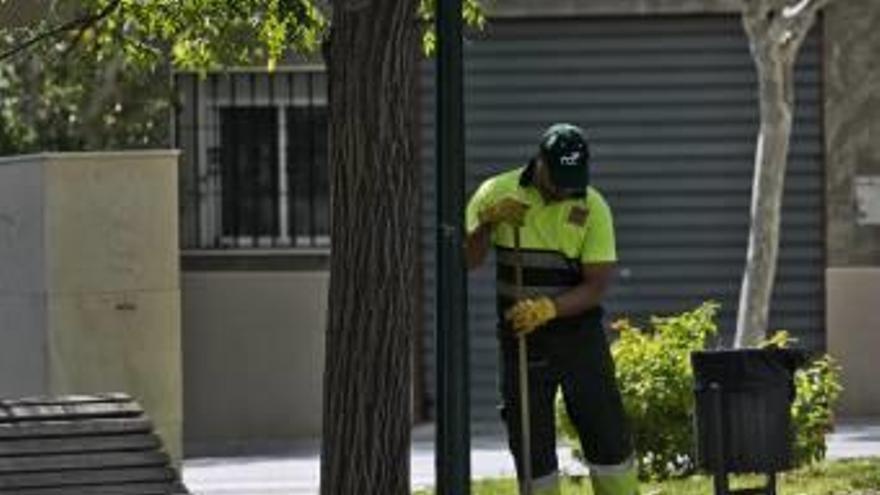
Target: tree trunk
x=776 y=94
x=373 y=56
x=776 y=30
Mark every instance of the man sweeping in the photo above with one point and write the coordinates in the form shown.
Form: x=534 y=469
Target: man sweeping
x=555 y=252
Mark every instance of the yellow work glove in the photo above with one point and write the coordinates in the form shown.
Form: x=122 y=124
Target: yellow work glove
x=527 y=315
x=505 y=210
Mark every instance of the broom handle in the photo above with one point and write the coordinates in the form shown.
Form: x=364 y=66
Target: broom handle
x=525 y=418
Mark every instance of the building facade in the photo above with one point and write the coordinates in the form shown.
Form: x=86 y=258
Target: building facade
x=667 y=90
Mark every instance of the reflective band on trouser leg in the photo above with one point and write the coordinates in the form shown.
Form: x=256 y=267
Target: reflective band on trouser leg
x=620 y=479
x=546 y=485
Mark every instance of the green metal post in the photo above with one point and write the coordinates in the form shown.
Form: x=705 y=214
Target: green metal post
x=453 y=428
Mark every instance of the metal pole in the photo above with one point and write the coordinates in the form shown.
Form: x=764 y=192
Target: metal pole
x=525 y=417
x=719 y=468
x=453 y=429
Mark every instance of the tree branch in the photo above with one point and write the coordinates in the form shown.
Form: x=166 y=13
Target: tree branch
x=75 y=42
x=804 y=7
x=760 y=17
x=761 y=8
x=780 y=23
x=81 y=24
x=799 y=19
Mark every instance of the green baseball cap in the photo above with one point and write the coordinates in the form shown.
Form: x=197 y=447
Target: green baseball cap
x=567 y=155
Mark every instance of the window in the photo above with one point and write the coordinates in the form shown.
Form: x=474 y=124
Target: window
x=249 y=164
x=308 y=180
x=254 y=161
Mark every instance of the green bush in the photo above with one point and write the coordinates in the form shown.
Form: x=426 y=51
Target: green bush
x=656 y=383
x=812 y=413
x=818 y=387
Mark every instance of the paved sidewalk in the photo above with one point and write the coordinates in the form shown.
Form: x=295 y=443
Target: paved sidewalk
x=297 y=472
x=855 y=438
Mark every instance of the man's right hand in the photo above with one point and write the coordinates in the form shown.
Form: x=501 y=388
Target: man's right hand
x=506 y=210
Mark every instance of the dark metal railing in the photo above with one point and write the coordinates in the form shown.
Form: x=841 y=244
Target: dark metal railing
x=254 y=159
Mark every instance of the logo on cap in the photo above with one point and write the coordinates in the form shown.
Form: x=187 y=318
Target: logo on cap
x=571 y=159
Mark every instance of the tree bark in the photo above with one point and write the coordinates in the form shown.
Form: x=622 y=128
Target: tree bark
x=776 y=30
x=776 y=94
x=373 y=56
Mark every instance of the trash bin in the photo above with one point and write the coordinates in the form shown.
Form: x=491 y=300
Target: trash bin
x=743 y=410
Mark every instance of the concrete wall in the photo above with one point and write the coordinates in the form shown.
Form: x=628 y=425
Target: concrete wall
x=253 y=358
x=89 y=279
x=23 y=283
x=852 y=126
x=852 y=137
x=853 y=294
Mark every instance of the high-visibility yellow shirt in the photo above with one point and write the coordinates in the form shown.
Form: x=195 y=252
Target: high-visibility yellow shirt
x=557 y=237
x=578 y=228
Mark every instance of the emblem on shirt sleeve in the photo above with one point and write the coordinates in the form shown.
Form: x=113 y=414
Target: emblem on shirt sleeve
x=578 y=216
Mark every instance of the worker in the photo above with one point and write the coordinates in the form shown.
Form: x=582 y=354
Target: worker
x=567 y=256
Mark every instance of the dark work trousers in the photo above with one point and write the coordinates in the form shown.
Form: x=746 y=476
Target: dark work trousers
x=576 y=358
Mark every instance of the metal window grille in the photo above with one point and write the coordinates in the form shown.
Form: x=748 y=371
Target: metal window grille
x=254 y=159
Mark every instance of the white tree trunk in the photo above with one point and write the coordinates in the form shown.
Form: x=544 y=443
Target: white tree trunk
x=777 y=105
x=776 y=30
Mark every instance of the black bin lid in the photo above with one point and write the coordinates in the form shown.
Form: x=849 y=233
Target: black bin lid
x=739 y=368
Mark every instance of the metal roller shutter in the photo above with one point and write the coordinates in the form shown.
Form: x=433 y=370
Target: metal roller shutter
x=670 y=105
